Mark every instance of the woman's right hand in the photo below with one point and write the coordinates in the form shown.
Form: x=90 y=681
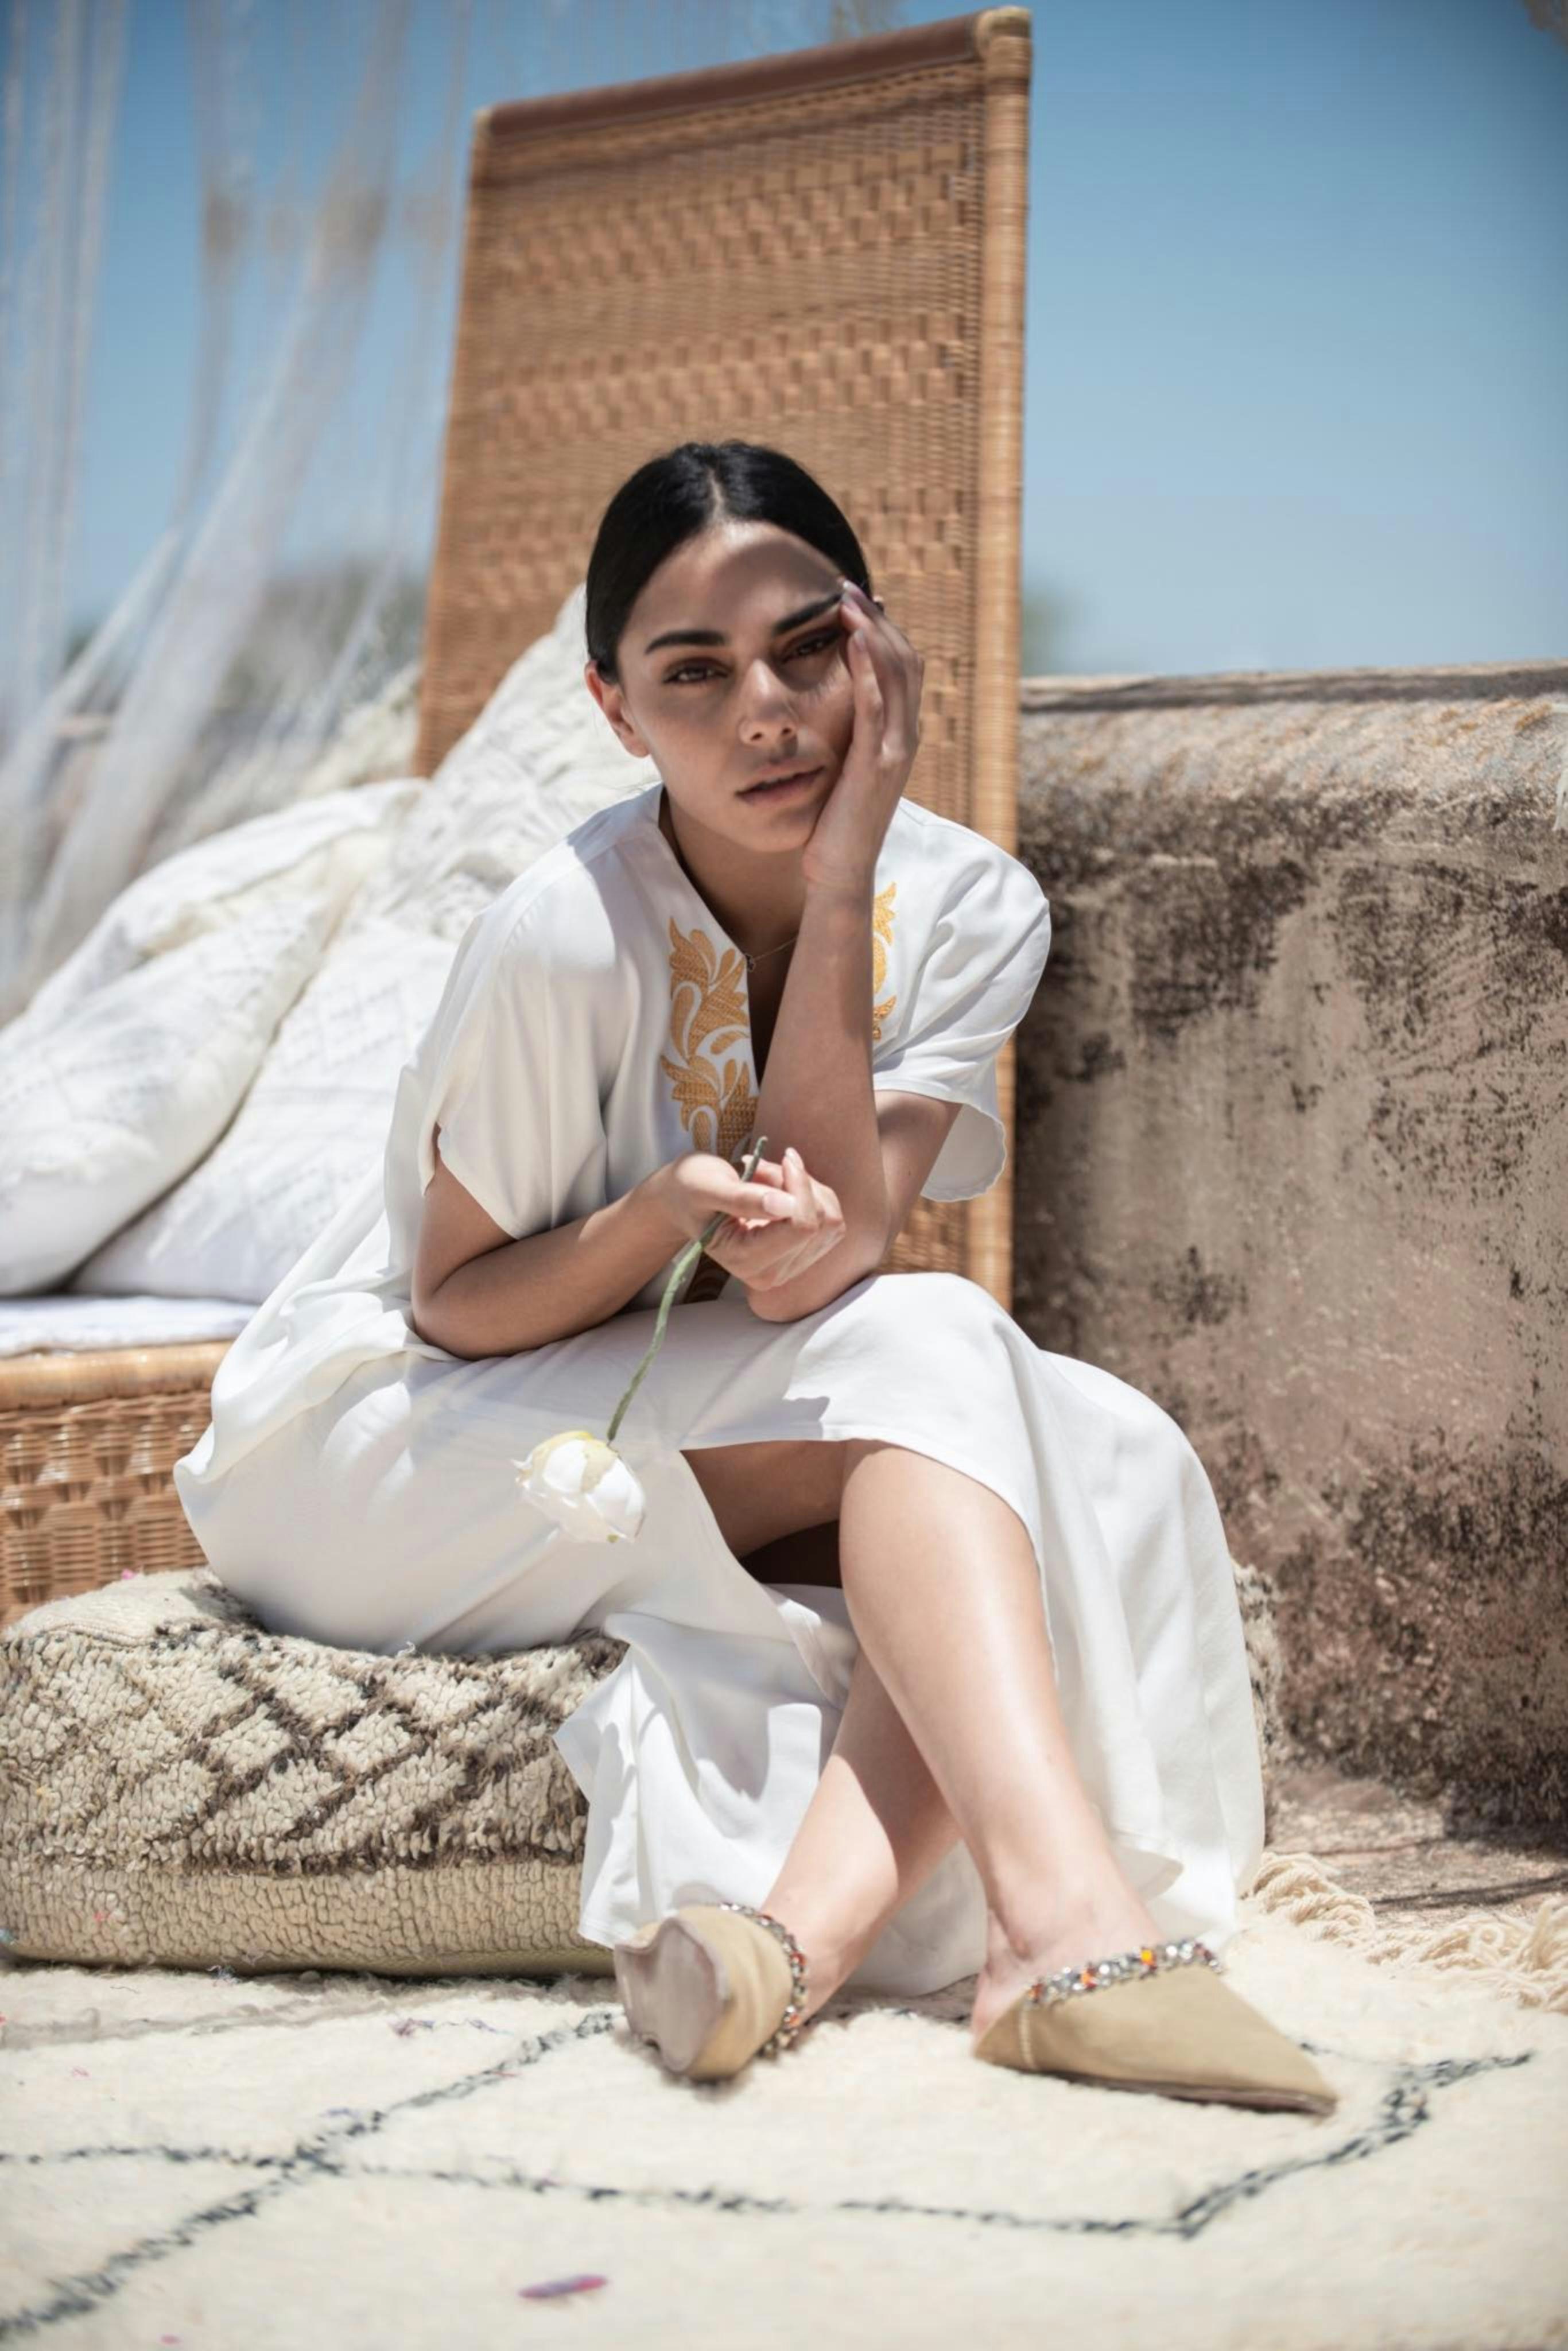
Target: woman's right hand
x=700 y=1185
x=775 y=1225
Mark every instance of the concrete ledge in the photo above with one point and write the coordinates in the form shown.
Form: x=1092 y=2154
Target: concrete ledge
x=1292 y=1119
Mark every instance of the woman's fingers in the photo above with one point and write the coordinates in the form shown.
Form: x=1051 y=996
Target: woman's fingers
x=807 y=1209
x=776 y=1231
x=755 y=1199
x=865 y=670
x=897 y=669
x=816 y=1227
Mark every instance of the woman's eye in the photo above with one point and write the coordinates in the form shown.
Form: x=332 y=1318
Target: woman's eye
x=700 y=669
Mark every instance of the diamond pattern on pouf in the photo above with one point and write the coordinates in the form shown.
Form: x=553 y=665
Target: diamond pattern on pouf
x=180 y=1788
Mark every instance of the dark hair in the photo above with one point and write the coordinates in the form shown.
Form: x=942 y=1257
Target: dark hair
x=673 y=498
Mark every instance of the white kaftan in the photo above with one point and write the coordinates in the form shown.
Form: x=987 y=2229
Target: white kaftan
x=356 y=1483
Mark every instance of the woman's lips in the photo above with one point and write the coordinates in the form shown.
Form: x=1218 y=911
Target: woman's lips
x=784 y=788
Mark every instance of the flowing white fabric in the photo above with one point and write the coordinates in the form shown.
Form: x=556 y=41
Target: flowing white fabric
x=356 y=1483
x=268 y=603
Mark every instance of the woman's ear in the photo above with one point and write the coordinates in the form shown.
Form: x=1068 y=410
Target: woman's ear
x=612 y=702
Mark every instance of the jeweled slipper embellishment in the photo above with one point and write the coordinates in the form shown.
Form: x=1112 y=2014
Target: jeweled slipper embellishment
x=792 y=2022
x=1148 y=1959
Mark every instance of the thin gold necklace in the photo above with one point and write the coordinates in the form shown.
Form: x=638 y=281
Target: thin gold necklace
x=751 y=961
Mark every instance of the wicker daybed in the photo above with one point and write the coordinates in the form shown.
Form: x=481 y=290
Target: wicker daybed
x=822 y=250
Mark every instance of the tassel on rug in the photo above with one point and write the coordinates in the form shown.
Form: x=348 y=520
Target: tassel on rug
x=1521 y=1954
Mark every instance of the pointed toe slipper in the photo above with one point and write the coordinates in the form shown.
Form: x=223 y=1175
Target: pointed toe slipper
x=1159 y=2020
x=712 y=1986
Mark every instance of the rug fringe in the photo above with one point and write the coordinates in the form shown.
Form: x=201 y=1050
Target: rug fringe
x=1520 y=1954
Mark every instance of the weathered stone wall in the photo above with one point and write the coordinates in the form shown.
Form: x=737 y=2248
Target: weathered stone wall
x=1292 y=1158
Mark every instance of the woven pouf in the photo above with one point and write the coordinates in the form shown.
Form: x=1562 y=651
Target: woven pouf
x=179 y=1788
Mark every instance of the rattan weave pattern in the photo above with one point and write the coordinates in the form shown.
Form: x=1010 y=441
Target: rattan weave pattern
x=87 y=1445
x=804 y=270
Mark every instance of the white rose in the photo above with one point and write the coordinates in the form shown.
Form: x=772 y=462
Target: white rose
x=583 y=1484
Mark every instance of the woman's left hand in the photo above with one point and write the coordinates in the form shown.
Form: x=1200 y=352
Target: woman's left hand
x=887 y=675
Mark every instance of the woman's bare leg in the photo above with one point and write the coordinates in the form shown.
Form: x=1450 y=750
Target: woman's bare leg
x=943 y=1595
x=874 y=1830
x=877 y=1825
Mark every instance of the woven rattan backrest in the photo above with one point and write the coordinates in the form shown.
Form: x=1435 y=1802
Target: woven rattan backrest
x=823 y=251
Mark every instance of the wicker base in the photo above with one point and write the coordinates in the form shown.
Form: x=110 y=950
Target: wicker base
x=87 y=1443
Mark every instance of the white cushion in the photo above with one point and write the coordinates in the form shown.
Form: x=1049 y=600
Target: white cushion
x=131 y=1058
x=61 y=1323
x=312 y=1126
x=209 y=885
x=540 y=757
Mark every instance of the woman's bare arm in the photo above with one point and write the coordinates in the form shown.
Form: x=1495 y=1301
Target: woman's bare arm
x=476 y=1291
x=816 y=1094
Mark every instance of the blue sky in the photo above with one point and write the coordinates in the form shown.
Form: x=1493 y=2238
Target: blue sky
x=1297 y=351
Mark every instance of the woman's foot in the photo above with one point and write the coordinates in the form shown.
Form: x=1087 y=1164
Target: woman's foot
x=1087 y=1923
x=711 y=1985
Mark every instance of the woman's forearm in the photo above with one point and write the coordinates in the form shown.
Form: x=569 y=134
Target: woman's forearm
x=554 y=1284
x=816 y=1093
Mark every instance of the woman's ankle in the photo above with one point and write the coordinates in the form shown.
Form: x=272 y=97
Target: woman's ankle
x=833 y=1946
x=1071 y=1915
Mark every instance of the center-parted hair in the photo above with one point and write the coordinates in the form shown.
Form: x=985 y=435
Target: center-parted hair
x=674 y=496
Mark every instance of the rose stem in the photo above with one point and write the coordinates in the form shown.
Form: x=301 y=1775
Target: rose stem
x=678 y=1271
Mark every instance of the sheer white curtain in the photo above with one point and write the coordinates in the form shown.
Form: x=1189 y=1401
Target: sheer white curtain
x=286 y=583
x=259 y=612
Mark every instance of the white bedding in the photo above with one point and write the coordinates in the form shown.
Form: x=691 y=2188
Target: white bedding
x=40 y=1324
x=189 y=1100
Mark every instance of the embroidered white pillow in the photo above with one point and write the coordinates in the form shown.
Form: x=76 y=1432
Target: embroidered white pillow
x=312 y=1126
x=540 y=757
x=207 y=885
x=131 y=1058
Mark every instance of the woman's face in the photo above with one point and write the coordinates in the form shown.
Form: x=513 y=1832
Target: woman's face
x=732 y=665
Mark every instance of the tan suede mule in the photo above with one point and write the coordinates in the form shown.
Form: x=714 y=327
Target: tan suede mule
x=1158 y=2019
x=713 y=1985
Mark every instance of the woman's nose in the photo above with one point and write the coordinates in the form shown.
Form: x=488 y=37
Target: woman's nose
x=767 y=698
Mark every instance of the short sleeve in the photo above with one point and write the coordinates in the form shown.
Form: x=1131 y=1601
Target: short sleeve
x=979 y=964
x=509 y=1083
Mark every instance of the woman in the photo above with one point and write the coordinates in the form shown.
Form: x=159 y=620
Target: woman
x=1002 y=1723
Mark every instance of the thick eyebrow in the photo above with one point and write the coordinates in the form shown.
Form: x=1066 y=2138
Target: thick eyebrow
x=716 y=636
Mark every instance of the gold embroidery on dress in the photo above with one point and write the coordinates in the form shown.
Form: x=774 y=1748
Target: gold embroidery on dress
x=708 y=1008
x=881 y=940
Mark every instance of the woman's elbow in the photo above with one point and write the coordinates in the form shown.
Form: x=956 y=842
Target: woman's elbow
x=821 y=1285
x=430 y=1318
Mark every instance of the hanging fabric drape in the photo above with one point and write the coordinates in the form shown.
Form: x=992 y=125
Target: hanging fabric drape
x=254 y=619
x=60 y=95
